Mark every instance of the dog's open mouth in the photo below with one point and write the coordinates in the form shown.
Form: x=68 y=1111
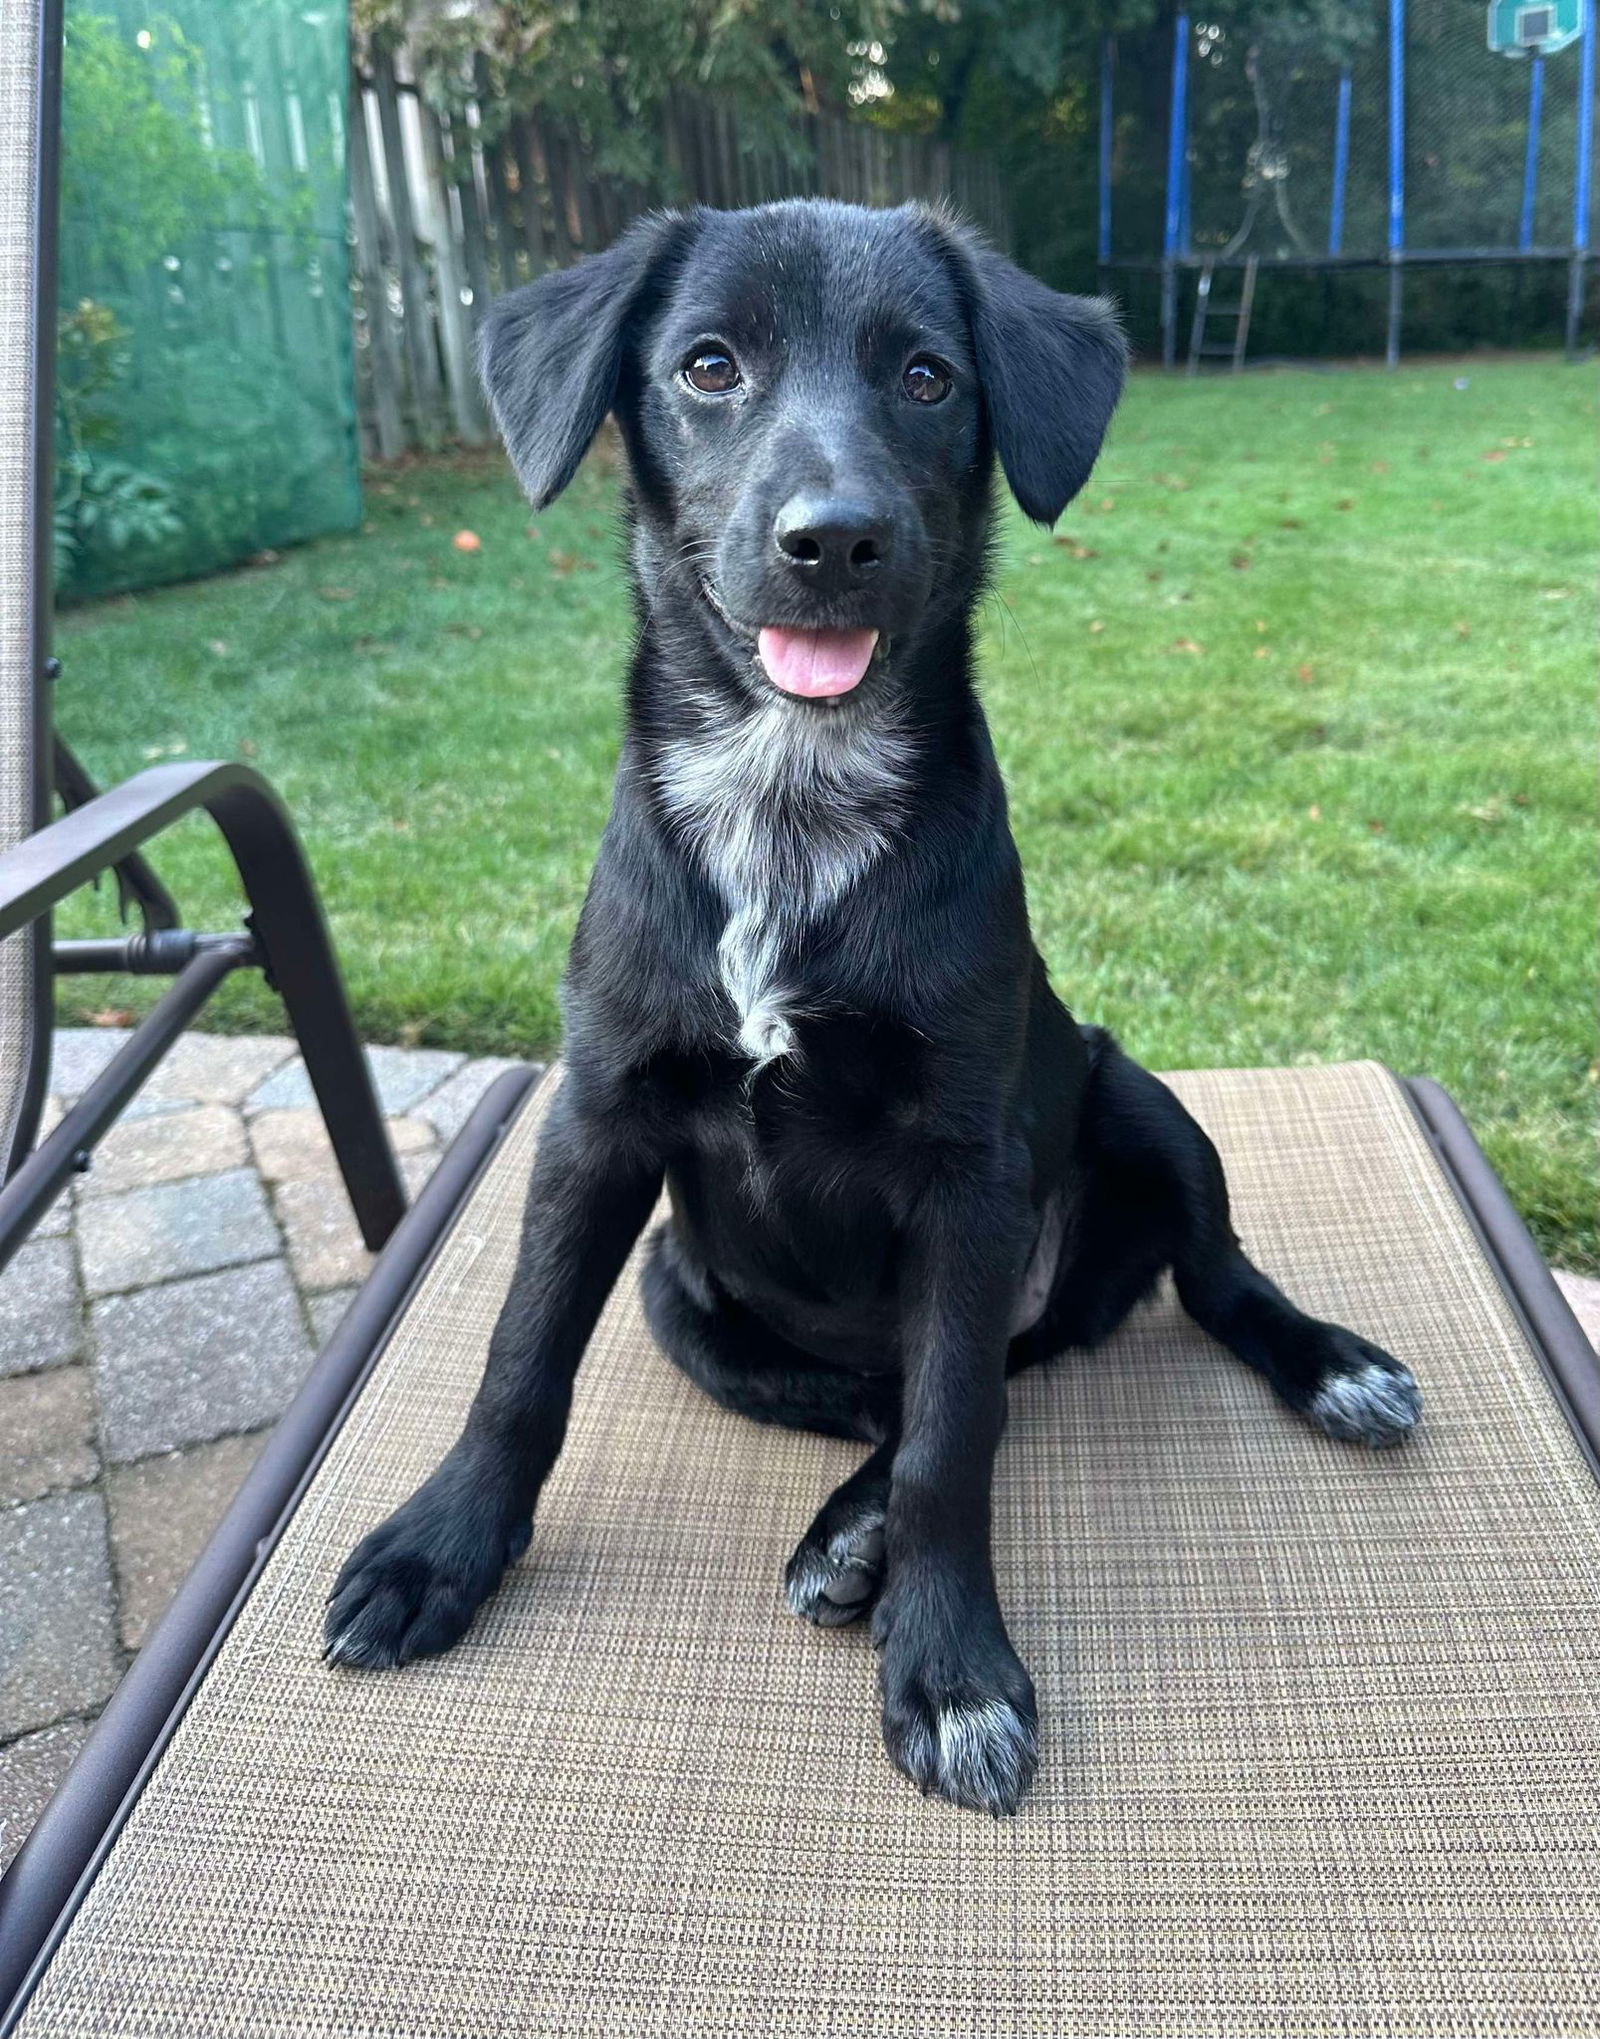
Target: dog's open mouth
x=815 y=665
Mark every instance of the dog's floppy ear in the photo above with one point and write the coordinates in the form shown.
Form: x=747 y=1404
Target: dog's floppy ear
x=1051 y=369
x=550 y=353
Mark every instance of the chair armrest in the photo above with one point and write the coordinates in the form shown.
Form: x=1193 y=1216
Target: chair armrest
x=285 y=918
x=42 y=870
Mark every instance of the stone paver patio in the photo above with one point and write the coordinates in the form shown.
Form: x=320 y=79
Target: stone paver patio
x=152 y=1332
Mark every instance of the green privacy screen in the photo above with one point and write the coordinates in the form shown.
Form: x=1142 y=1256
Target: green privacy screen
x=205 y=404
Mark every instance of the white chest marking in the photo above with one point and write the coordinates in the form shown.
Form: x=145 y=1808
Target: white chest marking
x=786 y=808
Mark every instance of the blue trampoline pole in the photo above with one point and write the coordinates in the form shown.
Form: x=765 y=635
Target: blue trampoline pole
x=1581 y=182
x=1341 y=166
x=1530 y=162
x=1397 y=173
x=1177 y=135
x=1105 y=150
x=1580 y=195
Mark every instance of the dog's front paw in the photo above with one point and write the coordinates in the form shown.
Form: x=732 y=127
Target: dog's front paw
x=959 y=1715
x=411 y=1587
x=1364 y=1396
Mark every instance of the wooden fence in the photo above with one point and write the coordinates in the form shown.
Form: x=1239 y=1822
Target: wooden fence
x=445 y=220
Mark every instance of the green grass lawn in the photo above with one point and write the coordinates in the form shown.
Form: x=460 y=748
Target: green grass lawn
x=1296 y=707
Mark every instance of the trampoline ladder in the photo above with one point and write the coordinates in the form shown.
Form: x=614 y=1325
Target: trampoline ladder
x=1204 y=310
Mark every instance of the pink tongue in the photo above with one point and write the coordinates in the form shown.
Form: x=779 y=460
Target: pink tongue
x=815 y=662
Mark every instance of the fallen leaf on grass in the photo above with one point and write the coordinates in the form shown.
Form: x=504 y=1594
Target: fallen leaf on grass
x=1240 y=562
x=1305 y=674
x=467 y=541
x=1183 y=644
x=110 y=1016
x=1494 y=453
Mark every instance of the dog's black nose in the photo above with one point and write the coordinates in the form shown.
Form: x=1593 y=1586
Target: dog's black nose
x=832 y=542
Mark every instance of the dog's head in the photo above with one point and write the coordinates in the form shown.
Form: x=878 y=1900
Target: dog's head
x=812 y=396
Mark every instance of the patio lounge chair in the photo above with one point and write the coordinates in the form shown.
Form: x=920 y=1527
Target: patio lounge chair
x=1322 y=1735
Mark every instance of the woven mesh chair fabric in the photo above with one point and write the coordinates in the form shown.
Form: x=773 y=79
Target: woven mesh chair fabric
x=1321 y=1726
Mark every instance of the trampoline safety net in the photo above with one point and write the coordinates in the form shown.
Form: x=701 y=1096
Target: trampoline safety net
x=1285 y=148
x=205 y=407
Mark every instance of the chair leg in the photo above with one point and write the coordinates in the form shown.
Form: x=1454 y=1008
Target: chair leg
x=286 y=919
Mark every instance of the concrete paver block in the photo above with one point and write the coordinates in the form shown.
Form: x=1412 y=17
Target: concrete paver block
x=177 y=1228
x=448 y=1109
x=325 y=1248
x=401 y=1076
x=166 y=1146
x=327 y=1313
x=193 y=1360
x=163 y=1510
x=77 y=1056
x=291 y=1143
x=46 y=1434
x=30 y=1770
x=41 y=1312
x=58 y=1651
x=218 y=1068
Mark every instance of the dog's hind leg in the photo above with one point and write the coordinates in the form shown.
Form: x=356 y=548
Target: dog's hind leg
x=748 y=1368
x=1150 y=1156
x=837 y=1567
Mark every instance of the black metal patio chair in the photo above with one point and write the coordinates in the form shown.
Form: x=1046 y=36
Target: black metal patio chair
x=1322 y=1731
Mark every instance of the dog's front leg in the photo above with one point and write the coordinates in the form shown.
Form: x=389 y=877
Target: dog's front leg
x=412 y=1586
x=958 y=1707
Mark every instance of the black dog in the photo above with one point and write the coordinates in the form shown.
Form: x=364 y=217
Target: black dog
x=803 y=991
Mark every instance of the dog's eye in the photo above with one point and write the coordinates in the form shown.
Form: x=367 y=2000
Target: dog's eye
x=926 y=381
x=711 y=372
